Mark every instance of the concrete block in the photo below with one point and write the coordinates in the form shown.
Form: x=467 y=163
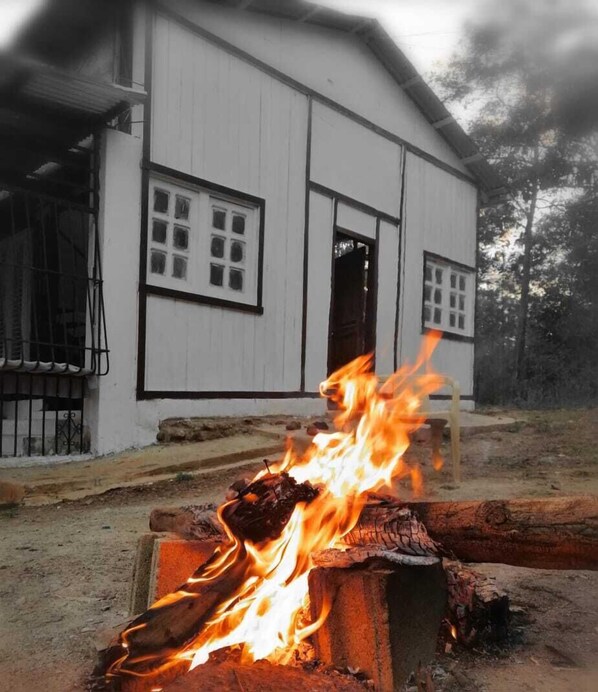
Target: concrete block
x=162 y=565
x=174 y=561
x=384 y=621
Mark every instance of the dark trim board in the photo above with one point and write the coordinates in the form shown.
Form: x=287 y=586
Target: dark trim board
x=175 y=394
x=449 y=336
x=399 y=259
x=306 y=244
x=161 y=292
x=168 y=12
x=201 y=182
x=358 y=236
x=448 y=260
x=146 y=154
x=448 y=397
x=334 y=194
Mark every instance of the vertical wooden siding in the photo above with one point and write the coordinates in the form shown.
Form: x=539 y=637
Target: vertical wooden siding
x=217 y=118
x=336 y=64
x=355 y=161
x=321 y=220
x=440 y=213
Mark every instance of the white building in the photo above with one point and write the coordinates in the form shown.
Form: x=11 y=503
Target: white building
x=278 y=191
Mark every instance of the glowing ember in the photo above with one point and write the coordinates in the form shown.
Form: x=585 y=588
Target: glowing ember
x=265 y=615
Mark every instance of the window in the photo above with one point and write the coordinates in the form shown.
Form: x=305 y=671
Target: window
x=203 y=243
x=449 y=296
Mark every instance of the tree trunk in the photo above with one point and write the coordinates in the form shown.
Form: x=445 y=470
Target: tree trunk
x=528 y=240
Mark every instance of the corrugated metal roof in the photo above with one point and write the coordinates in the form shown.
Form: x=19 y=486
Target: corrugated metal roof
x=46 y=112
x=26 y=84
x=399 y=66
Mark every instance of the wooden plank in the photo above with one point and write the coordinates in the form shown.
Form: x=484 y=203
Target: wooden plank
x=354 y=161
x=351 y=219
x=238 y=127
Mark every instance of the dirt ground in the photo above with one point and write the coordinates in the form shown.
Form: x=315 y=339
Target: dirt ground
x=65 y=568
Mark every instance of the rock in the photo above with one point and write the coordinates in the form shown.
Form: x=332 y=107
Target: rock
x=293 y=425
x=312 y=430
x=321 y=425
x=11 y=493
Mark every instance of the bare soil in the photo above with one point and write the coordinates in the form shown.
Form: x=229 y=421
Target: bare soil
x=65 y=568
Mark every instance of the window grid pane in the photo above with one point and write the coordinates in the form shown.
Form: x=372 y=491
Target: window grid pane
x=159 y=231
x=238 y=224
x=217 y=246
x=219 y=218
x=181 y=238
x=158 y=262
x=216 y=274
x=181 y=207
x=161 y=200
x=235 y=279
x=179 y=267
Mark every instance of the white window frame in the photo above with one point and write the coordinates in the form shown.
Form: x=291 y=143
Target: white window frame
x=448 y=297
x=197 y=284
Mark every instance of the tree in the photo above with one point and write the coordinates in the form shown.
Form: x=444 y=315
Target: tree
x=519 y=70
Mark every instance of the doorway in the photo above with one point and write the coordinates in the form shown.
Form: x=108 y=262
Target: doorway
x=353 y=307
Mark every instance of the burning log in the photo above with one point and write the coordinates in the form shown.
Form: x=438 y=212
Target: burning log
x=554 y=533
x=152 y=642
x=263 y=508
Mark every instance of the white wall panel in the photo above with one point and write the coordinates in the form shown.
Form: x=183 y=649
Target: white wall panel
x=355 y=161
x=352 y=219
x=112 y=404
x=318 y=291
x=388 y=269
x=440 y=217
x=336 y=64
x=219 y=119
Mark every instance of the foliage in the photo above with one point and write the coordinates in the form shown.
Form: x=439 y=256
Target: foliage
x=530 y=72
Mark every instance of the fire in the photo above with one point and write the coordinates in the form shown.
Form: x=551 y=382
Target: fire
x=265 y=616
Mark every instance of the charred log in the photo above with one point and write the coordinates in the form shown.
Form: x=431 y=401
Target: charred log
x=477 y=609
x=260 y=512
x=263 y=508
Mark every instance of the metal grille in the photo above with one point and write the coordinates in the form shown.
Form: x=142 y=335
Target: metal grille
x=42 y=415
x=51 y=301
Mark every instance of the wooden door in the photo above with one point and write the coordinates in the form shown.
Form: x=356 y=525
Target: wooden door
x=348 y=324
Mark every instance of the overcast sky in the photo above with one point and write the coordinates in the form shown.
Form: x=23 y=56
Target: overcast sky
x=427 y=30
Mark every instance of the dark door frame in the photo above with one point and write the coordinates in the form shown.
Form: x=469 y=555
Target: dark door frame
x=372 y=297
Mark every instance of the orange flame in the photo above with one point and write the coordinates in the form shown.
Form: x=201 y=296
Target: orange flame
x=265 y=616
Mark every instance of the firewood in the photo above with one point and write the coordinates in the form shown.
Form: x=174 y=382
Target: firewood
x=261 y=511
x=263 y=508
x=193 y=522
x=553 y=533
x=150 y=639
x=477 y=609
